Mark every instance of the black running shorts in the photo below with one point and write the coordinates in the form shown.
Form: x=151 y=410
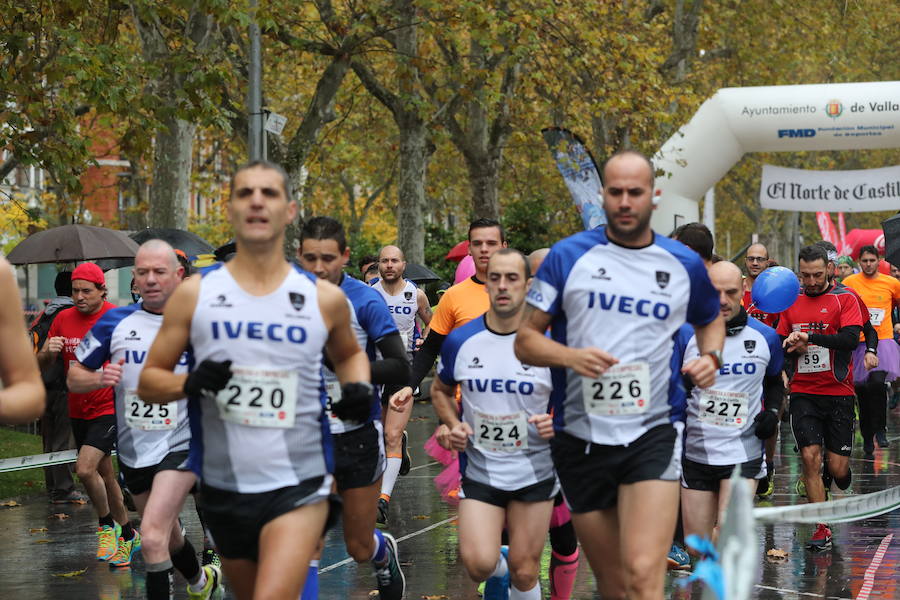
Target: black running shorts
x=235 y=519
x=590 y=474
x=706 y=478
x=359 y=458
x=542 y=491
x=141 y=479
x=823 y=421
x=99 y=432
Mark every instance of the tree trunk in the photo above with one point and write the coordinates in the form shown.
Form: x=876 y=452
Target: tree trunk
x=484 y=179
x=170 y=193
x=411 y=187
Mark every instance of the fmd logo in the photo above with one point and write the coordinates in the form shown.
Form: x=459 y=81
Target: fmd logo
x=834 y=109
x=796 y=133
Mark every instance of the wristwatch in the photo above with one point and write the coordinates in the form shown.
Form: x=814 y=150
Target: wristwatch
x=717 y=356
x=872 y=350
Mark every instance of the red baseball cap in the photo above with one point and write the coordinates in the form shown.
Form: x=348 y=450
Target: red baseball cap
x=89 y=272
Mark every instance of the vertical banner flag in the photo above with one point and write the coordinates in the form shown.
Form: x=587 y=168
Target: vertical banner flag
x=826 y=228
x=842 y=233
x=579 y=171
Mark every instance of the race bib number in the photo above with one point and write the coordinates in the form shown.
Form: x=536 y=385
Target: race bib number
x=624 y=389
x=816 y=360
x=876 y=315
x=501 y=433
x=724 y=408
x=149 y=417
x=259 y=397
x=332 y=395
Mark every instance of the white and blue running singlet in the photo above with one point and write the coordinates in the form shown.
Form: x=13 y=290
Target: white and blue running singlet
x=719 y=428
x=370 y=321
x=267 y=429
x=499 y=394
x=403 y=307
x=628 y=302
x=146 y=433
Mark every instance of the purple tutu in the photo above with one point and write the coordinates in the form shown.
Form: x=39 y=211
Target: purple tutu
x=888 y=361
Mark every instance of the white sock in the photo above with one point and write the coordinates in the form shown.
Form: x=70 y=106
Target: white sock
x=532 y=594
x=391 y=471
x=501 y=569
x=200 y=583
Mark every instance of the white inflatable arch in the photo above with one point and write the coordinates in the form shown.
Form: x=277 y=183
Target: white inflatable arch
x=839 y=116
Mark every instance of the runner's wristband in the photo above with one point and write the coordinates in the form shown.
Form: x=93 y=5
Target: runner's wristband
x=716 y=356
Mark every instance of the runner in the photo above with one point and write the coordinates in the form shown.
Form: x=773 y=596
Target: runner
x=820 y=331
x=358 y=443
x=22 y=394
x=92 y=414
x=726 y=424
x=460 y=304
x=152 y=439
x=615 y=296
x=508 y=476
x=406 y=302
x=844 y=268
x=873 y=366
x=756 y=261
x=257 y=327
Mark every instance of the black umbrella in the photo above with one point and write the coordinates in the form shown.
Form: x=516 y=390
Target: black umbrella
x=189 y=243
x=420 y=274
x=891 y=229
x=70 y=243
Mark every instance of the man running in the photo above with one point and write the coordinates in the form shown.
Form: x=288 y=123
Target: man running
x=872 y=367
x=756 y=261
x=460 y=304
x=152 y=439
x=92 y=413
x=614 y=296
x=257 y=327
x=501 y=430
x=820 y=331
x=727 y=423
x=406 y=302
x=22 y=395
x=358 y=443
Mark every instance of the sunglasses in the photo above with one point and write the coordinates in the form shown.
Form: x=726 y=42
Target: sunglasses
x=757 y=259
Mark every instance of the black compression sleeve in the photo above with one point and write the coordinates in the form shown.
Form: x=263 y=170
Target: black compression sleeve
x=425 y=357
x=773 y=392
x=871 y=335
x=392 y=367
x=845 y=339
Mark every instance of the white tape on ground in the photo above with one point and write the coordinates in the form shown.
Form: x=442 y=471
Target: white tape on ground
x=852 y=508
x=347 y=561
x=19 y=463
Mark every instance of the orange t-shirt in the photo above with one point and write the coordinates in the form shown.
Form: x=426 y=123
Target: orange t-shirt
x=460 y=304
x=880 y=294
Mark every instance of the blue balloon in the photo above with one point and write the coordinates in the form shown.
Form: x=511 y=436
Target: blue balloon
x=775 y=290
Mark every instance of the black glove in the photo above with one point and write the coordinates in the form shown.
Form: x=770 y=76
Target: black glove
x=766 y=423
x=355 y=403
x=209 y=376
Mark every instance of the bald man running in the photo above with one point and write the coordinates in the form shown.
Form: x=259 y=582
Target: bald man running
x=728 y=423
x=406 y=302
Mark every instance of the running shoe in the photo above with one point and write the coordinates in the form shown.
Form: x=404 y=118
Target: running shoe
x=125 y=551
x=391 y=582
x=213 y=587
x=881 y=440
x=382 y=517
x=107 y=541
x=766 y=486
x=405 y=460
x=801 y=488
x=497 y=588
x=73 y=497
x=210 y=557
x=821 y=539
x=678 y=559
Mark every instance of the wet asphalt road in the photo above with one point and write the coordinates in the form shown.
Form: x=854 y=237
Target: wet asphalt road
x=31 y=560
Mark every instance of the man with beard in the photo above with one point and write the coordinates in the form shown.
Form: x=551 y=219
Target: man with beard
x=613 y=297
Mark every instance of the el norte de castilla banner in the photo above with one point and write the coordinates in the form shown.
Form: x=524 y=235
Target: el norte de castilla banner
x=838 y=191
